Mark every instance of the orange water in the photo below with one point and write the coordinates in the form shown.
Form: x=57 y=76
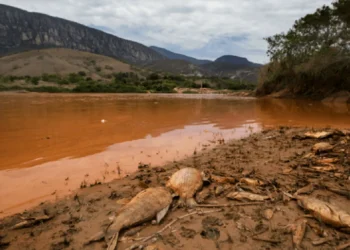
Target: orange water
x=50 y=144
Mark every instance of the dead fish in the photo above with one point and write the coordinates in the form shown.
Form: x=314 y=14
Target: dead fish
x=222 y=188
x=123 y=201
x=287 y=170
x=318 y=135
x=203 y=195
x=325 y=212
x=149 y=203
x=322 y=147
x=246 y=196
x=299 y=233
x=309 y=156
x=222 y=179
x=328 y=168
x=252 y=182
x=267 y=213
x=305 y=190
x=327 y=161
x=248 y=188
x=185 y=183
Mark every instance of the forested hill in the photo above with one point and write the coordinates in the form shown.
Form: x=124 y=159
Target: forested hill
x=312 y=59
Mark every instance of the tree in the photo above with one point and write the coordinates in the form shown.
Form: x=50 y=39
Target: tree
x=327 y=28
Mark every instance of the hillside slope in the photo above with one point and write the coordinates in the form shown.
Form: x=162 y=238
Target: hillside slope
x=21 y=31
x=171 y=55
x=175 y=67
x=236 y=60
x=59 y=61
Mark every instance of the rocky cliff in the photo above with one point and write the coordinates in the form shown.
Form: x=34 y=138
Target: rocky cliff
x=21 y=30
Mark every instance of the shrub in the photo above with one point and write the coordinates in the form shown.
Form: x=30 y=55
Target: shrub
x=35 y=80
x=90 y=87
x=63 y=82
x=74 y=78
x=189 y=92
x=50 y=78
x=153 y=76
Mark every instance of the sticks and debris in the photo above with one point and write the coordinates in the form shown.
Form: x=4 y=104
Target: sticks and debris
x=266 y=240
x=31 y=221
x=177 y=219
x=320 y=210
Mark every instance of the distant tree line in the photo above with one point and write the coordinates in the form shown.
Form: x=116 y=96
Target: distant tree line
x=312 y=58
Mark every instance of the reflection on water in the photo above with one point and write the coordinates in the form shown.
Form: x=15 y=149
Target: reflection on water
x=49 y=144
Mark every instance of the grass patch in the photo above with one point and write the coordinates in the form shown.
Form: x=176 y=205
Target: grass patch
x=190 y=92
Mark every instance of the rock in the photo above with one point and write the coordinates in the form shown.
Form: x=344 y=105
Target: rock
x=267 y=213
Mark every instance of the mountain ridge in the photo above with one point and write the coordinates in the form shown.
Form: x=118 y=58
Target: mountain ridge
x=21 y=30
x=172 y=55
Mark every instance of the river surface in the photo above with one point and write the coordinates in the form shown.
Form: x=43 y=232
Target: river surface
x=51 y=144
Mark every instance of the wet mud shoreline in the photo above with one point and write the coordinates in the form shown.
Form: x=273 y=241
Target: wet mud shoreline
x=282 y=160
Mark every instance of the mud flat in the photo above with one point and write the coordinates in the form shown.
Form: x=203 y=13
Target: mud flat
x=269 y=168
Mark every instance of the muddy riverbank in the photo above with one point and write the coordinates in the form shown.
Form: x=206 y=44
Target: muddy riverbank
x=50 y=144
x=279 y=158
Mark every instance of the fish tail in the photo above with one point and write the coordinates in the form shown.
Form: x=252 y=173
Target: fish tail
x=191 y=202
x=289 y=195
x=112 y=244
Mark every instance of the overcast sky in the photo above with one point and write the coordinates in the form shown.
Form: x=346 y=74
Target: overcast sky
x=199 y=28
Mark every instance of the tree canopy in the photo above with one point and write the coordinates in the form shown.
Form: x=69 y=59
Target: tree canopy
x=327 y=29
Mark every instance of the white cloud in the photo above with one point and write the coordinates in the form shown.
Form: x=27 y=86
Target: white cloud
x=196 y=27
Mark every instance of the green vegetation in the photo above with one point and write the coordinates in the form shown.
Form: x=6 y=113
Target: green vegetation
x=227 y=83
x=124 y=82
x=190 y=92
x=313 y=58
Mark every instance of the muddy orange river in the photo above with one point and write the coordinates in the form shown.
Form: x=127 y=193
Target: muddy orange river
x=50 y=144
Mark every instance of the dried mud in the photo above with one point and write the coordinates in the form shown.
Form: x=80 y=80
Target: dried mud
x=282 y=163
